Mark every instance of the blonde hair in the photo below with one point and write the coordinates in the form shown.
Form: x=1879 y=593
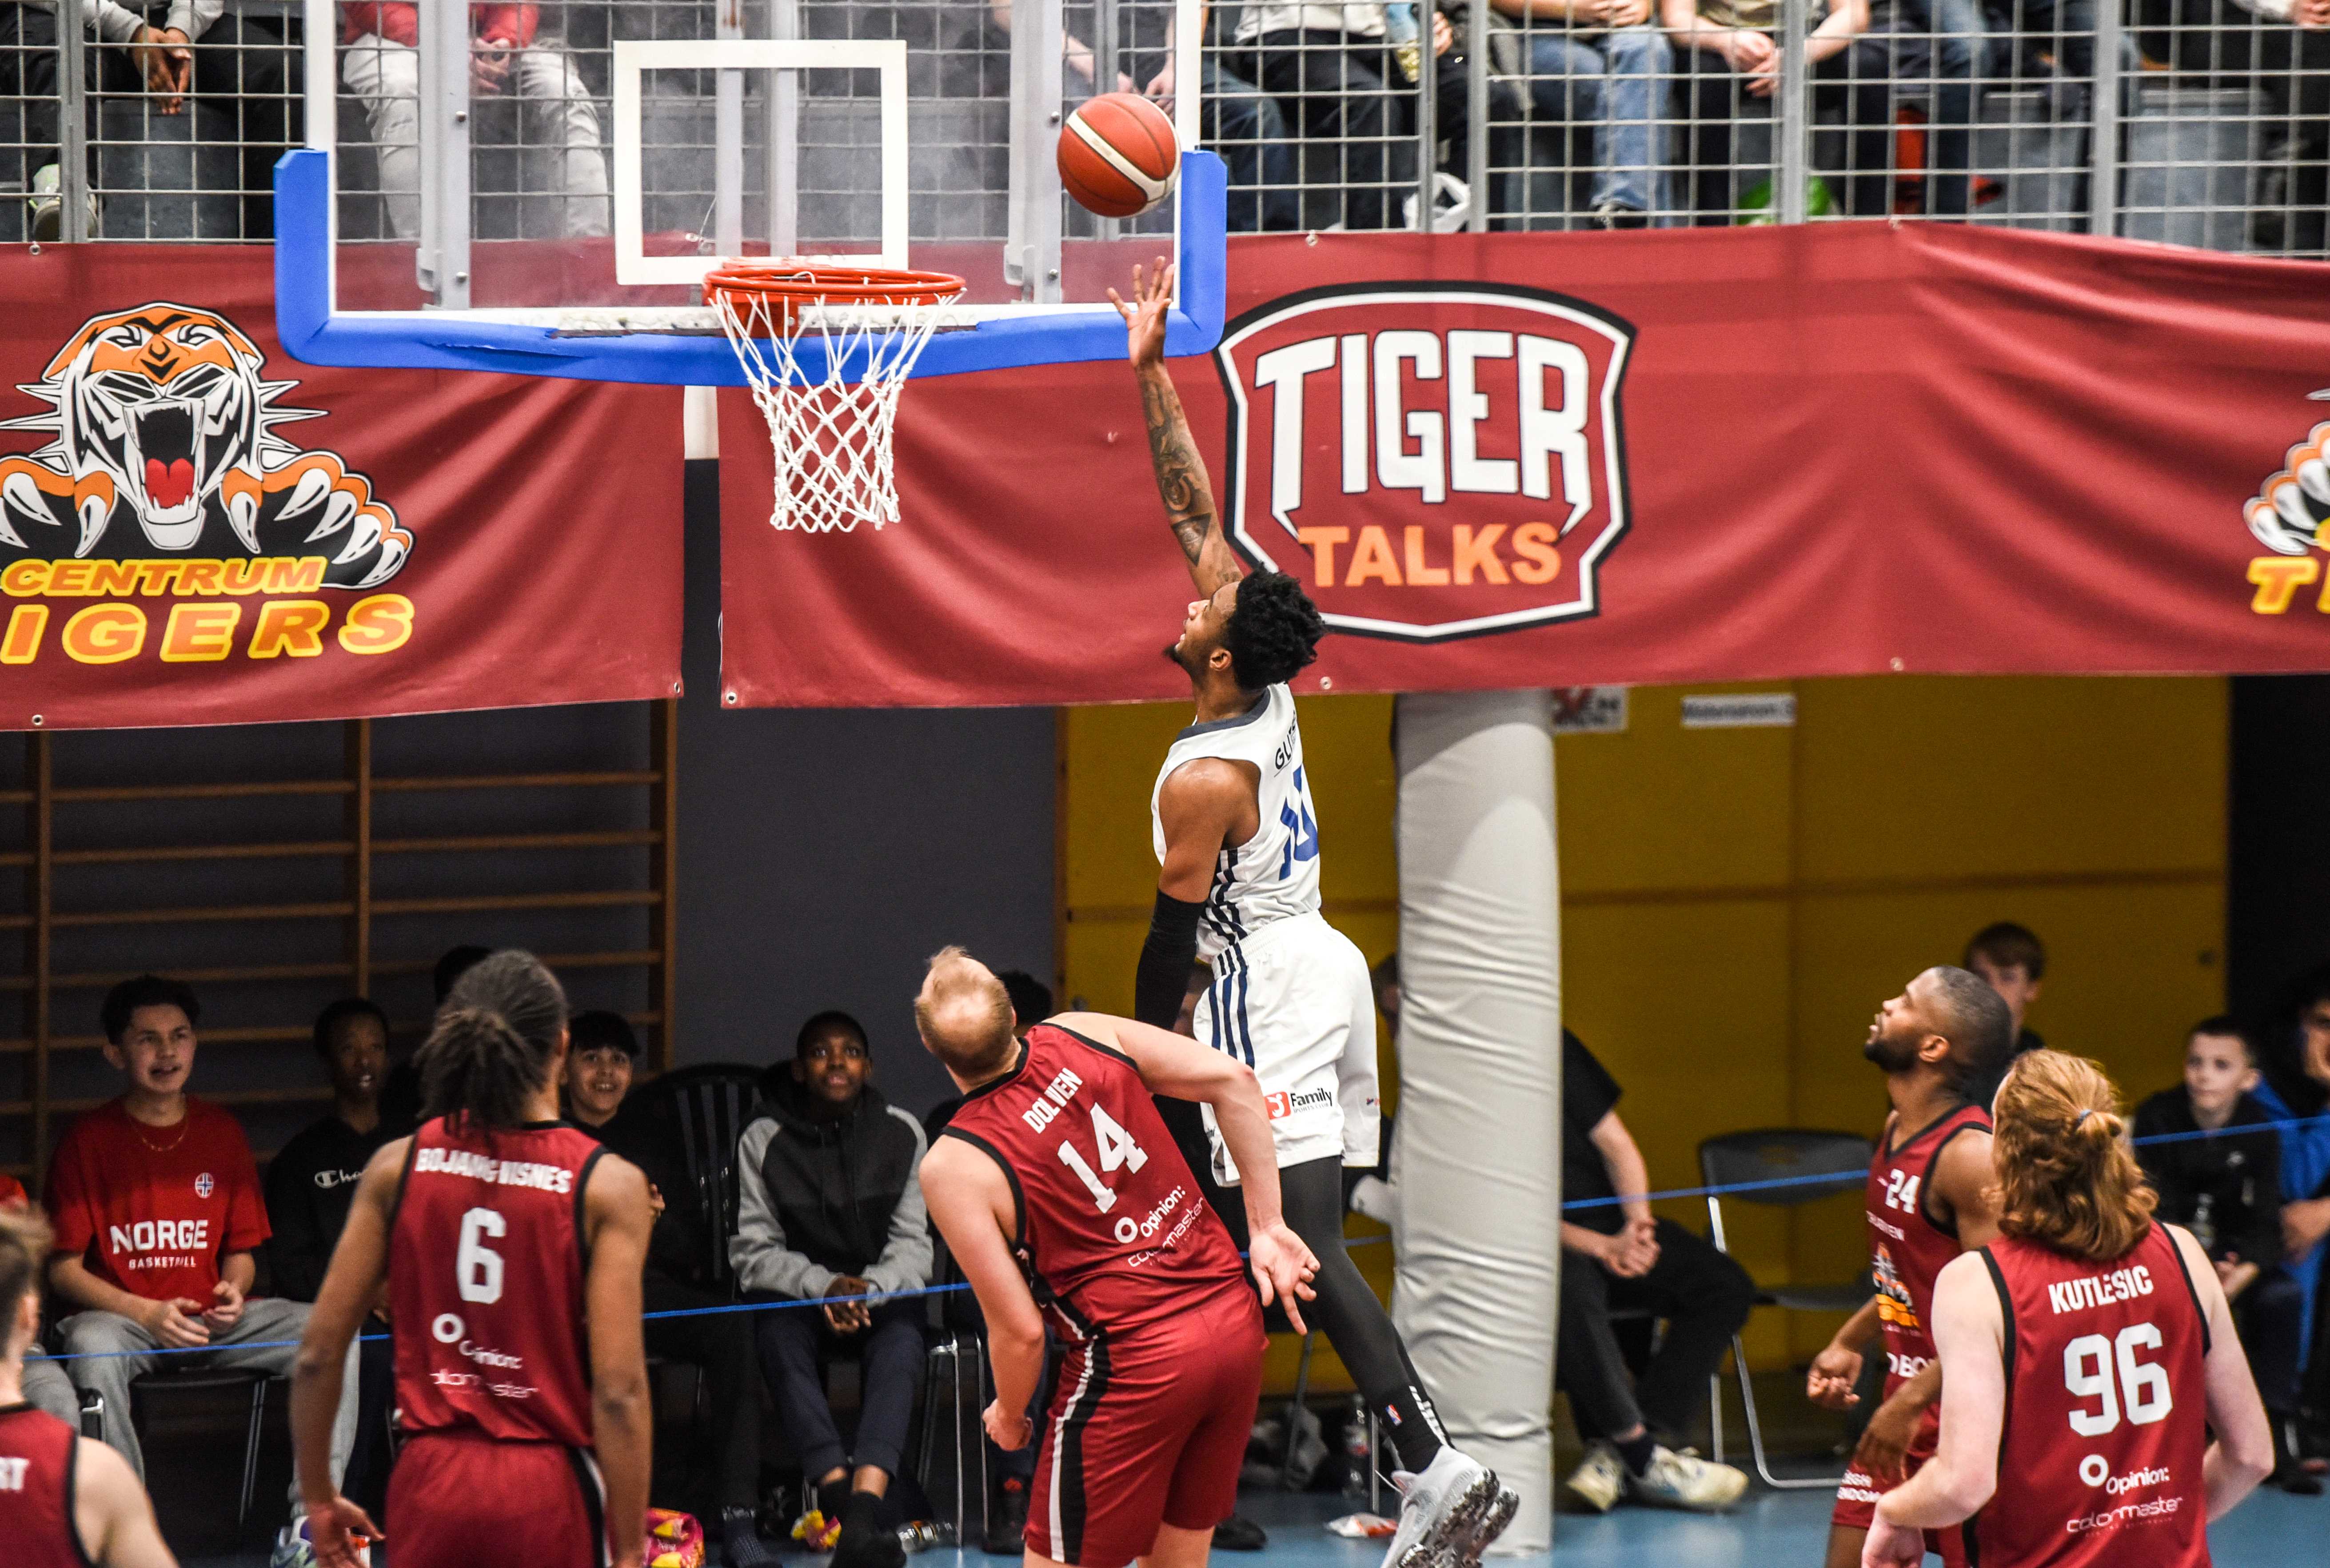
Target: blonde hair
x=25 y=1242
x=964 y=1015
x=2065 y=1178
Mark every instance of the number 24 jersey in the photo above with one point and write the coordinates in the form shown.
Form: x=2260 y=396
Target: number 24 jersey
x=486 y=1268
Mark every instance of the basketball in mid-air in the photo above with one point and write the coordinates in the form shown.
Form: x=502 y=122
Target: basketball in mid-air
x=1118 y=154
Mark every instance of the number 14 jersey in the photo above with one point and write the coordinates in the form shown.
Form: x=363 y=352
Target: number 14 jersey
x=1112 y=1233
x=485 y=1283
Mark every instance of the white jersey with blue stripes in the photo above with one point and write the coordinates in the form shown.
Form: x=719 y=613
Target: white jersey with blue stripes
x=1274 y=875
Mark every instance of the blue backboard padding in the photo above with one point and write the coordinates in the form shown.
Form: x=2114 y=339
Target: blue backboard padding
x=456 y=340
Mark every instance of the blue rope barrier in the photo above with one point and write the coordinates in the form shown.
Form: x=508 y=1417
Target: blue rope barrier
x=1829 y=1178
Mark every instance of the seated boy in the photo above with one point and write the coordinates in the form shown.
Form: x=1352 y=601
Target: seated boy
x=155 y=1203
x=2221 y=1180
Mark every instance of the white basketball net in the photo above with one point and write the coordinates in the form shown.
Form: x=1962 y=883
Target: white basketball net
x=832 y=439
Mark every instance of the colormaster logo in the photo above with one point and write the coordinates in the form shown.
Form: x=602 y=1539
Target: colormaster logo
x=1433 y=460
x=165 y=478
x=2290 y=515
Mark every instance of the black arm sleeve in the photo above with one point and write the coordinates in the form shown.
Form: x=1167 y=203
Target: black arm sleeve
x=1167 y=956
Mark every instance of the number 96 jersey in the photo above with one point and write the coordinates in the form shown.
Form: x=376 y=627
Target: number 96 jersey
x=485 y=1283
x=2107 y=1411
x=1114 y=1233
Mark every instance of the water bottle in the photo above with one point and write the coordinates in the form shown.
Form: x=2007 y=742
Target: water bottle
x=1401 y=33
x=2204 y=1223
x=922 y=1535
x=1356 y=1451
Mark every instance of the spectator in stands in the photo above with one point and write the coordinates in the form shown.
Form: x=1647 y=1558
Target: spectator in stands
x=1605 y=64
x=45 y=1386
x=1616 y=1256
x=1009 y=1473
x=399 y=1097
x=507 y=55
x=1936 y=44
x=2014 y=960
x=309 y=1186
x=1452 y=109
x=2293 y=63
x=1328 y=68
x=1247 y=129
x=235 y=65
x=602 y=1054
x=157 y=1208
x=2210 y=1152
x=64 y=1498
x=2296 y=1061
x=831 y=1212
x=1730 y=53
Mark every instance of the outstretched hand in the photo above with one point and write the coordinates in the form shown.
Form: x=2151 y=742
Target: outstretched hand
x=335 y=1528
x=1144 y=318
x=1284 y=1268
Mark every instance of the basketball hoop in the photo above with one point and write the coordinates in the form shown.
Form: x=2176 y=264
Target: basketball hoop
x=832 y=436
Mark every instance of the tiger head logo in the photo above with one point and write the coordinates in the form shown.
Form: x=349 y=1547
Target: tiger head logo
x=2290 y=513
x=164 y=444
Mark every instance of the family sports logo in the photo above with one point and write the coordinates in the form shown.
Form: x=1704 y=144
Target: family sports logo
x=1434 y=460
x=2290 y=515
x=165 y=478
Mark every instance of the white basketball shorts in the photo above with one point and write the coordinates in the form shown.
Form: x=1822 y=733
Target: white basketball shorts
x=1292 y=1001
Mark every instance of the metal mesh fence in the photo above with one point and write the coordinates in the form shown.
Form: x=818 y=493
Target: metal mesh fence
x=2200 y=122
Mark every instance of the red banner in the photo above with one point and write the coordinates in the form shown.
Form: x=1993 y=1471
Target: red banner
x=197 y=530
x=1546 y=459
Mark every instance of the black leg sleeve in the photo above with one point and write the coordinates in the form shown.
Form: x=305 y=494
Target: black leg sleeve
x=1354 y=1322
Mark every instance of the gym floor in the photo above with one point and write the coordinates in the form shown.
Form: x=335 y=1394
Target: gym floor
x=1769 y=1530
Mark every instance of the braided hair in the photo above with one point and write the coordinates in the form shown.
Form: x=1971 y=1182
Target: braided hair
x=489 y=1053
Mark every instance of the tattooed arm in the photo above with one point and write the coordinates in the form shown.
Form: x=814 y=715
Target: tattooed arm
x=1181 y=480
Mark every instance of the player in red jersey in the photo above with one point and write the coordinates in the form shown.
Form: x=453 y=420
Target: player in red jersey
x=1928 y=1200
x=66 y=1501
x=511 y=1245
x=2108 y=1333
x=1061 y=1196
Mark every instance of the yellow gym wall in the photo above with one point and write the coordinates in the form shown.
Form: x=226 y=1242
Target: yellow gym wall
x=1736 y=903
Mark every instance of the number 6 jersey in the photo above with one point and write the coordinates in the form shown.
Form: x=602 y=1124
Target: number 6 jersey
x=1114 y=1234
x=2107 y=1411
x=485 y=1283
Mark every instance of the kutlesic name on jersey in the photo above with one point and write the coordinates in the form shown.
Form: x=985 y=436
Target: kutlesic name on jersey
x=2100 y=1290
x=508 y=1173
x=160 y=1243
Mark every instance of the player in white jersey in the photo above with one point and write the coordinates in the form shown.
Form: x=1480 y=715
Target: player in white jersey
x=1237 y=839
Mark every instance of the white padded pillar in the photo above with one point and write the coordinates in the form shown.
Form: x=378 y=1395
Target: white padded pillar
x=1479 y=1229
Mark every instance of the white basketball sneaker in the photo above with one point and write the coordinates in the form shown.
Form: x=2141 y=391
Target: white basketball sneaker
x=1600 y=1479
x=1684 y=1480
x=1450 y=1514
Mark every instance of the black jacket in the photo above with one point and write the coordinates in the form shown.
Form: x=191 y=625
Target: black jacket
x=818 y=1198
x=677 y=1248
x=309 y=1187
x=2237 y=1169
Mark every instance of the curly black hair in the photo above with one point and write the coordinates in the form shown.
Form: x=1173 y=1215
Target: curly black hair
x=1273 y=631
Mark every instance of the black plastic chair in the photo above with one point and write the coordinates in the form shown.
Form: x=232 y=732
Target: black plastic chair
x=706 y=1107
x=1790 y=1159
x=143 y=1387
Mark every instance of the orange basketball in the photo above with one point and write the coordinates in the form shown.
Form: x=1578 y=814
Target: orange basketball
x=1118 y=154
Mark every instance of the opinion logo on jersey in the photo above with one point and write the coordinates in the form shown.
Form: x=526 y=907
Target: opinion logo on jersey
x=203 y=1186
x=1434 y=460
